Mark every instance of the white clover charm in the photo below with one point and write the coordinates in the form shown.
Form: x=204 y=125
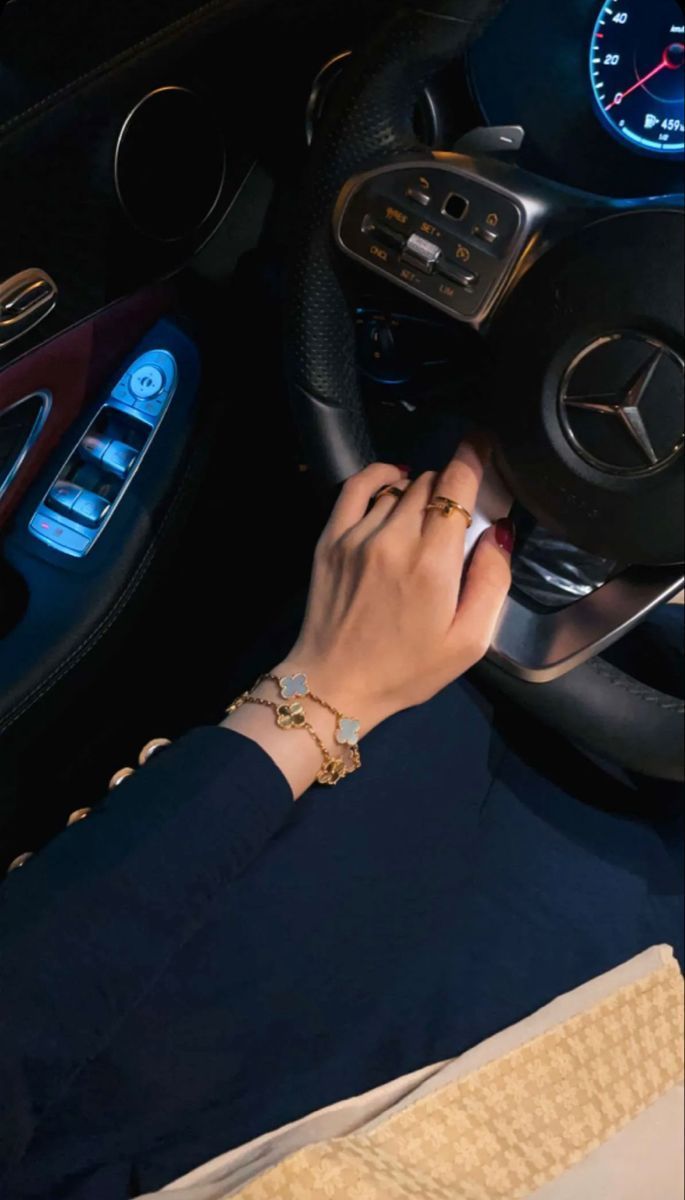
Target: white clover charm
x=293 y=686
x=348 y=732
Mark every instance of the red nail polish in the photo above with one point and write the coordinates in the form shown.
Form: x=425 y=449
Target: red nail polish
x=505 y=535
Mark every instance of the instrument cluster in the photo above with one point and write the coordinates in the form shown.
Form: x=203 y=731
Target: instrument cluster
x=598 y=86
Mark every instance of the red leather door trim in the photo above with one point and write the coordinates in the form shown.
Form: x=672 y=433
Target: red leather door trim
x=73 y=367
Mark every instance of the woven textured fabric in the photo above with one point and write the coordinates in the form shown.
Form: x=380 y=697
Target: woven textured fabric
x=515 y=1124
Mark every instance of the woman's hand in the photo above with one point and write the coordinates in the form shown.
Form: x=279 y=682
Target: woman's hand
x=392 y=618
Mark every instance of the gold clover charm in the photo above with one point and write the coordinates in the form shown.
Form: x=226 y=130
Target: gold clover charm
x=290 y=716
x=293 y=686
x=332 y=772
x=348 y=732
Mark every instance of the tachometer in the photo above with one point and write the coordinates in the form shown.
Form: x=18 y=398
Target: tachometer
x=636 y=66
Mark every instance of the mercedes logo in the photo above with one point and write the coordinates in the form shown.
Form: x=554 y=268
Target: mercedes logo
x=621 y=404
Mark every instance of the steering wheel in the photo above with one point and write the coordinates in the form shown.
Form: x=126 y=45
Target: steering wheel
x=579 y=298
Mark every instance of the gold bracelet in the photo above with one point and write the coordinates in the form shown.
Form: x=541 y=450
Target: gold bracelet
x=348 y=729
x=292 y=716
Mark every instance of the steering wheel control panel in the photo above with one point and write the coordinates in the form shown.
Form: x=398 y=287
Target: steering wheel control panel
x=80 y=502
x=444 y=234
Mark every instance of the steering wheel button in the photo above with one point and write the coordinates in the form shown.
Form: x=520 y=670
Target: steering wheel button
x=421 y=253
x=485 y=234
x=460 y=275
x=422 y=198
x=147 y=381
x=383 y=233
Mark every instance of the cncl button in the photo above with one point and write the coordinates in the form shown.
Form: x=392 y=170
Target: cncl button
x=147 y=382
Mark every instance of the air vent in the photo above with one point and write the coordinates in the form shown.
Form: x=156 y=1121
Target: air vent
x=20 y=426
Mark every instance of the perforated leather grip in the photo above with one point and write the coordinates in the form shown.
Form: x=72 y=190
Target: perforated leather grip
x=370 y=120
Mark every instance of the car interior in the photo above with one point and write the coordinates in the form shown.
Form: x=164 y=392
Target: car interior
x=247 y=247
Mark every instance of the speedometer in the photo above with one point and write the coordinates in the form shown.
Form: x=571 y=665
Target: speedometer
x=636 y=65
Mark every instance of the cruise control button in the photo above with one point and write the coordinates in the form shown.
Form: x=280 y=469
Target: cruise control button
x=383 y=233
x=421 y=253
x=459 y=275
x=147 y=381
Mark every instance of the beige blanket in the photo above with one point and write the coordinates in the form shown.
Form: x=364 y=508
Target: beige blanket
x=583 y=1100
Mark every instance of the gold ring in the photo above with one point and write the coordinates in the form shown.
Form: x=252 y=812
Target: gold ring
x=448 y=508
x=389 y=490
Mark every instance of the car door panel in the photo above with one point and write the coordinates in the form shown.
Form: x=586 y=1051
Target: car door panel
x=71 y=601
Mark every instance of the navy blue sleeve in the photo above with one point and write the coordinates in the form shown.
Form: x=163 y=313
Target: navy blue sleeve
x=88 y=926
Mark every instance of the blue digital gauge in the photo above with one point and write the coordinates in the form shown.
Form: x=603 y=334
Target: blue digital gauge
x=636 y=67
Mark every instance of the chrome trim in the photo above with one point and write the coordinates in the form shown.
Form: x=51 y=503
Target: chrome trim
x=171 y=87
x=567 y=401
x=431 y=114
x=18 y=312
x=32 y=438
x=540 y=647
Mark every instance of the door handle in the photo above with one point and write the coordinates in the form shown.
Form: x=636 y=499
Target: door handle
x=25 y=300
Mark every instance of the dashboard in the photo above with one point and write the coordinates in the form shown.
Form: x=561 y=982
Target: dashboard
x=598 y=87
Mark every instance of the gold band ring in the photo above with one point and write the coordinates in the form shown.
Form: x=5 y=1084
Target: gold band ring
x=389 y=490
x=448 y=508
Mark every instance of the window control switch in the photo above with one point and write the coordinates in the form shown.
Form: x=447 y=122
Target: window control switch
x=119 y=458
x=93 y=448
x=90 y=509
x=63 y=495
x=78 y=505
